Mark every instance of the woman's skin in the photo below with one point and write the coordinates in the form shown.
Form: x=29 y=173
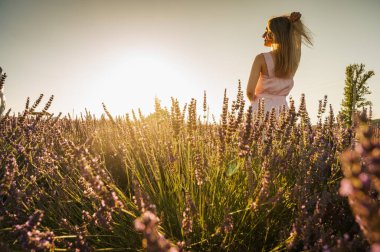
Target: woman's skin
x=259 y=66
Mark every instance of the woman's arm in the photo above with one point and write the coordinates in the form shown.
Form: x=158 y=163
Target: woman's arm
x=254 y=77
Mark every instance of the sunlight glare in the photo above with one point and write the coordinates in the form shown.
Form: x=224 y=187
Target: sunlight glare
x=138 y=78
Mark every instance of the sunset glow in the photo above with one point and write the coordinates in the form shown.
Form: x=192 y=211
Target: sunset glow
x=124 y=53
x=151 y=74
x=133 y=81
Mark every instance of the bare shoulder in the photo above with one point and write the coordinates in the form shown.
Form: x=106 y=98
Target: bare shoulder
x=260 y=59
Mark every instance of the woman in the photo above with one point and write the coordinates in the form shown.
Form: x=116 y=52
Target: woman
x=272 y=73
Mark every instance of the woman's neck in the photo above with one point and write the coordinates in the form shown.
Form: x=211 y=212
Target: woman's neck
x=274 y=47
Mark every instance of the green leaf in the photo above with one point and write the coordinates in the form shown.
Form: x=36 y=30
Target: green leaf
x=233 y=167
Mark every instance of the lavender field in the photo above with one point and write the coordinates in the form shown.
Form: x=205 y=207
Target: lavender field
x=176 y=180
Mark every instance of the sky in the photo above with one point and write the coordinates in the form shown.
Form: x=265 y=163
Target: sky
x=126 y=53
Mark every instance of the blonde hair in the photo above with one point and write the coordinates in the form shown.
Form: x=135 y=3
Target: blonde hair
x=288 y=35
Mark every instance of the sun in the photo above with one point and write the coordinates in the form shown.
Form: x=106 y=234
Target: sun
x=135 y=79
x=152 y=72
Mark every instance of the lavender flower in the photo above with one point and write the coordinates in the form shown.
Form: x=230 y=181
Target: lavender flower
x=30 y=237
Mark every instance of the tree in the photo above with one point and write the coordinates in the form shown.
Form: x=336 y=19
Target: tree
x=355 y=89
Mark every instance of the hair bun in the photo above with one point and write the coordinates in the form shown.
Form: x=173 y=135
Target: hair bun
x=294 y=17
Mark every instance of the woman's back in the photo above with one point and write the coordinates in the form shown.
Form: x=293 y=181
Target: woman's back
x=270 y=84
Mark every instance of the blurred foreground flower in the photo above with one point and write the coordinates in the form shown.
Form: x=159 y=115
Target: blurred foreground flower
x=153 y=240
x=361 y=168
